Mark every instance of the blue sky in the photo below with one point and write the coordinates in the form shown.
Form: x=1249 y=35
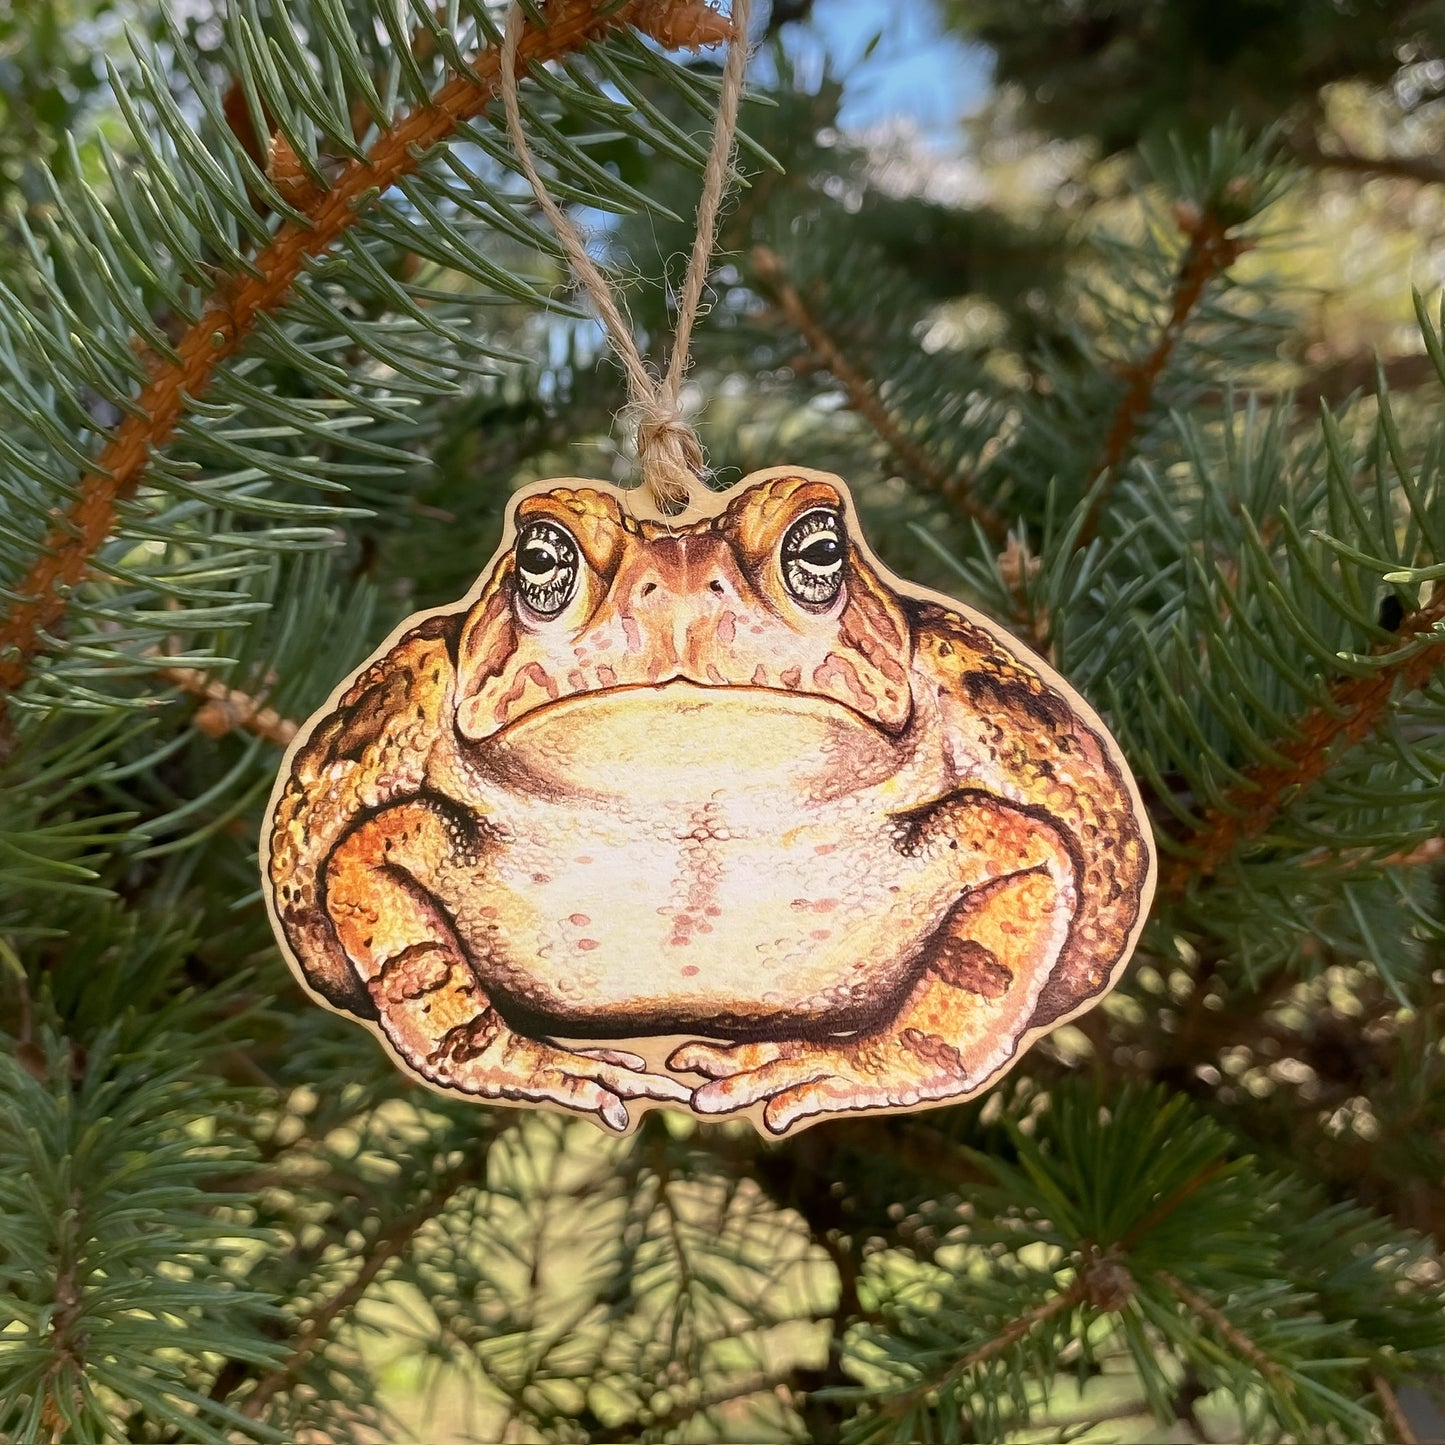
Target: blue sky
x=916 y=70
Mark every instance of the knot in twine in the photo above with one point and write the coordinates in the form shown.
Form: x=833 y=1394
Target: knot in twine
x=669 y=454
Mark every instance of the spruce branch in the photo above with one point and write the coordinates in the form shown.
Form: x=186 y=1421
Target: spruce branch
x=1015 y=1331
x=228 y=709
x=1230 y=1333
x=1432 y=850
x=119 y=1273
x=1211 y=252
x=803 y=1181
x=316 y=1328
x=239 y=304
x=66 y=1346
x=1356 y=707
x=1166 y=1207
x=863 y=395
x=1395 y=1417
x=1339 y=157
x=743 y=1388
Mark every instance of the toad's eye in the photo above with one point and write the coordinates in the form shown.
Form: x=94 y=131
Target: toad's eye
x=546 y=567
x=812 y=557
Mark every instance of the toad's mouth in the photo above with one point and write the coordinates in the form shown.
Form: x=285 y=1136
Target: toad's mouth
x=681 y=739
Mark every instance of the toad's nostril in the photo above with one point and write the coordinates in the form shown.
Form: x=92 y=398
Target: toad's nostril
x=648 y=587
x=716 y=586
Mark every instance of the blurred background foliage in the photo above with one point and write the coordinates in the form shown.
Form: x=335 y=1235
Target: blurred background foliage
x=1124 y=321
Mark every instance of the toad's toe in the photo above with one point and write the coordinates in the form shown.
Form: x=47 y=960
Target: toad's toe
x=718 y=1061
x=741 y=1090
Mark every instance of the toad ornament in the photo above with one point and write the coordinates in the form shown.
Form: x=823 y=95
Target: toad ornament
x=718 y=816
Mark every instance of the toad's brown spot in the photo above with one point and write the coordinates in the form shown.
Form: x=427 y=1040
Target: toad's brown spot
x=933 y=1050
x=815 y=905
x=839 y=674
x=534 y=673
x=413 y=973
x=969 y=965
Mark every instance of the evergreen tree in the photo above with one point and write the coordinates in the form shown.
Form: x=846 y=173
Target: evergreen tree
x=275 y=343
x=1119 y=71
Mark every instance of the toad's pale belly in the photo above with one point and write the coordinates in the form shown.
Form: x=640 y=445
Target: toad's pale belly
x=675 y=865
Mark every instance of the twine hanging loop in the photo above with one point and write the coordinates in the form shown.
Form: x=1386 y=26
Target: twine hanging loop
x=669 y=454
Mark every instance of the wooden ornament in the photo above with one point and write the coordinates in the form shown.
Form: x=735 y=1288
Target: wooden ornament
x=717 y=815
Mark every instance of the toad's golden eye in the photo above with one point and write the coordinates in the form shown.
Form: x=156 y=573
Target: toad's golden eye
x=547 y=567
x=812 y=557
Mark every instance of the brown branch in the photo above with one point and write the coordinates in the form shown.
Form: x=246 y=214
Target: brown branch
x=67 y=1334
x=1421 y=169
x=1356 y=707
x=755 y=1384
x=229 y=317
x=228 y=709
x=863 y=395
x=1341 y=377
x=317 y=1325
x=1334 y=380
x=1401 y=1431
x=1432 y=850
x=1006 y=1338
x=1211 y=252
x=68 y=1362
x=1166 y=1207
x=1230 y=1333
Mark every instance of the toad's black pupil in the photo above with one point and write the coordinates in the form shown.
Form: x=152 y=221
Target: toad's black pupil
x=538 y=559
x=821 y=553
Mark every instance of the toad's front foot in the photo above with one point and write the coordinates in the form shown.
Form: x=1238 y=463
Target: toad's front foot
x=484 y=1057
x=798 y=1080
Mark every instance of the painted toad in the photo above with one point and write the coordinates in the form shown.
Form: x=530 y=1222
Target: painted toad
x=716 y=815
